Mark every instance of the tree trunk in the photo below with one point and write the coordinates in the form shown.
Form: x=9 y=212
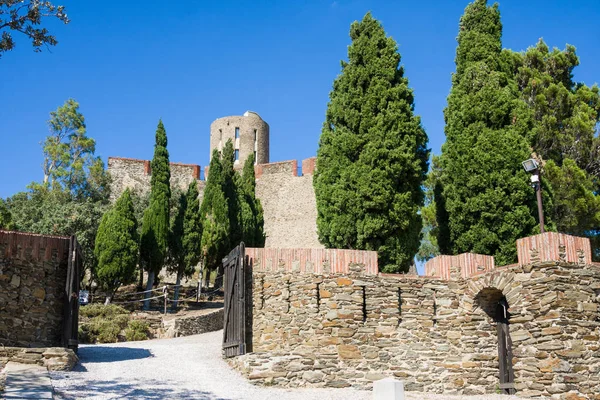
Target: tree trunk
x=176 y=294
x=108 y=299
x=219 y=279
x=148 y=294
x=141 y=282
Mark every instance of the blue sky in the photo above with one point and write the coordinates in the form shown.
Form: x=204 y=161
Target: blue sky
x=129 y=63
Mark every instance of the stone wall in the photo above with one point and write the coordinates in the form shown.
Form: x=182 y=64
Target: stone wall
x=289 y=204
x=33 y=271
x=288 y=200
x=53 y=358
x=337 y=330
x=135 y=175
x=194 y=324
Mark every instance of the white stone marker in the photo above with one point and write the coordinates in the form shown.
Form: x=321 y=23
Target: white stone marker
x=388 y=389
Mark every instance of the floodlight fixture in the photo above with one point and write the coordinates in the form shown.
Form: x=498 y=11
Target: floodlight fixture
x=530 y=165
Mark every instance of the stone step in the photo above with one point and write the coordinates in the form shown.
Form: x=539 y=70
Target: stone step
x=26 y=381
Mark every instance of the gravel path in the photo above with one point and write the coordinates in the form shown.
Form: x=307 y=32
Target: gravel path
x=183 y=368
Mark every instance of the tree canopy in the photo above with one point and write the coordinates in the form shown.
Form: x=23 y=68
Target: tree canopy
x=488 y=202
x=19 y=16
x=372 y=156
x=117 y=245
x=155 y=226
x=214 y=213
x=69 y=161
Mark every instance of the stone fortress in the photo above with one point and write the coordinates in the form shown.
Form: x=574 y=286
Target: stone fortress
x=327 y=317
x=285 y=191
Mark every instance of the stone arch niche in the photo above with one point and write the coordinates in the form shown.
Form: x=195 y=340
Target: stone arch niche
x=492 y=301
x=502 y=281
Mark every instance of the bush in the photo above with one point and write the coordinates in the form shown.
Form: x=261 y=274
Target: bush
x=136 y=330
x=97 y=310
x=103 y=324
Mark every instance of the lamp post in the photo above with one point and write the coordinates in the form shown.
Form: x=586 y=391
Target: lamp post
x=532 y=167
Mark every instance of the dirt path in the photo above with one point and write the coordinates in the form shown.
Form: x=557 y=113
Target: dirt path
x=182 y=368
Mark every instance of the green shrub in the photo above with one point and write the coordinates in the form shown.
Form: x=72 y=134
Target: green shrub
x=97 y=310
x=102 y=324
x=136 y=330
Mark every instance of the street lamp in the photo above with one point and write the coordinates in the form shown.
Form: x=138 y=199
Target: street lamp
x=532 y=167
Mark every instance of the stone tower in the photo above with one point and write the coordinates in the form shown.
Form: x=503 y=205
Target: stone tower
x=249 y=134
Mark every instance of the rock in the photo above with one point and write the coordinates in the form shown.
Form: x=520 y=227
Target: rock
x=313 y=376
x=15 y=281
x=39 y=294
x=349 y=352
x=344 y=282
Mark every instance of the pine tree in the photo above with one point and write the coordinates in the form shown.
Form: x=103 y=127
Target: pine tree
x=251 y=212
x=372 y=157
x=155 y=227
x=565 y=117
x=117 y=246
x=214 y=214
x=487 y=203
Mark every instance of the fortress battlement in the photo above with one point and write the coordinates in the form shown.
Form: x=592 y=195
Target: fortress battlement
x=285 y=188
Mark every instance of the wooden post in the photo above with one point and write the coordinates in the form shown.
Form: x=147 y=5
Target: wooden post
x=165 y=297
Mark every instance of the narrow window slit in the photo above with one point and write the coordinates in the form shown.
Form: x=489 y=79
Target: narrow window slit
x=262 y=292
x=399 y=306
x=364 y=303
x=289 y=295
x=434 y=309
x=318 y=297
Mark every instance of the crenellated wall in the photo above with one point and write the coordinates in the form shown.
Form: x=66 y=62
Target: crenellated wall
x=287 y=197
x=328 y=329
x=135 y=175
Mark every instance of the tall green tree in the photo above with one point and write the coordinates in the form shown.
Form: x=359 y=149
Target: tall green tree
x=186 y=236
x=564 y=135
x=155 y=226
x=117 y=246
x=372 y=157
x=251 y=211
x=69 y=160
x=75 y=191
x=565 y=113
x=231 y=183
x=214 y=214
x=488 y=203
x=18 y=16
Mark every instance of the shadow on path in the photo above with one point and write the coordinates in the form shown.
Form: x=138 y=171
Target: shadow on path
x=137 y=390
x=103 y=354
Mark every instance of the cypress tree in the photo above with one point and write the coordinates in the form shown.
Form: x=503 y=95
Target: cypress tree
x=251 y=212
x=116 y=246
x=487 y=203
x=186 y=233
x=155 y=226
x=214 y=214
x=372 y=156
x=230 y=188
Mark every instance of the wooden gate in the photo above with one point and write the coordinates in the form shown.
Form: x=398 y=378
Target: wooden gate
x=507 y=376
x=71 y=310
x=234 y=326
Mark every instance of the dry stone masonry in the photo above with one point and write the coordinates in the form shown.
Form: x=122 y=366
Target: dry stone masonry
x=33 y=270
x=287 y=195
x=288 y=199
x=437 y=335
